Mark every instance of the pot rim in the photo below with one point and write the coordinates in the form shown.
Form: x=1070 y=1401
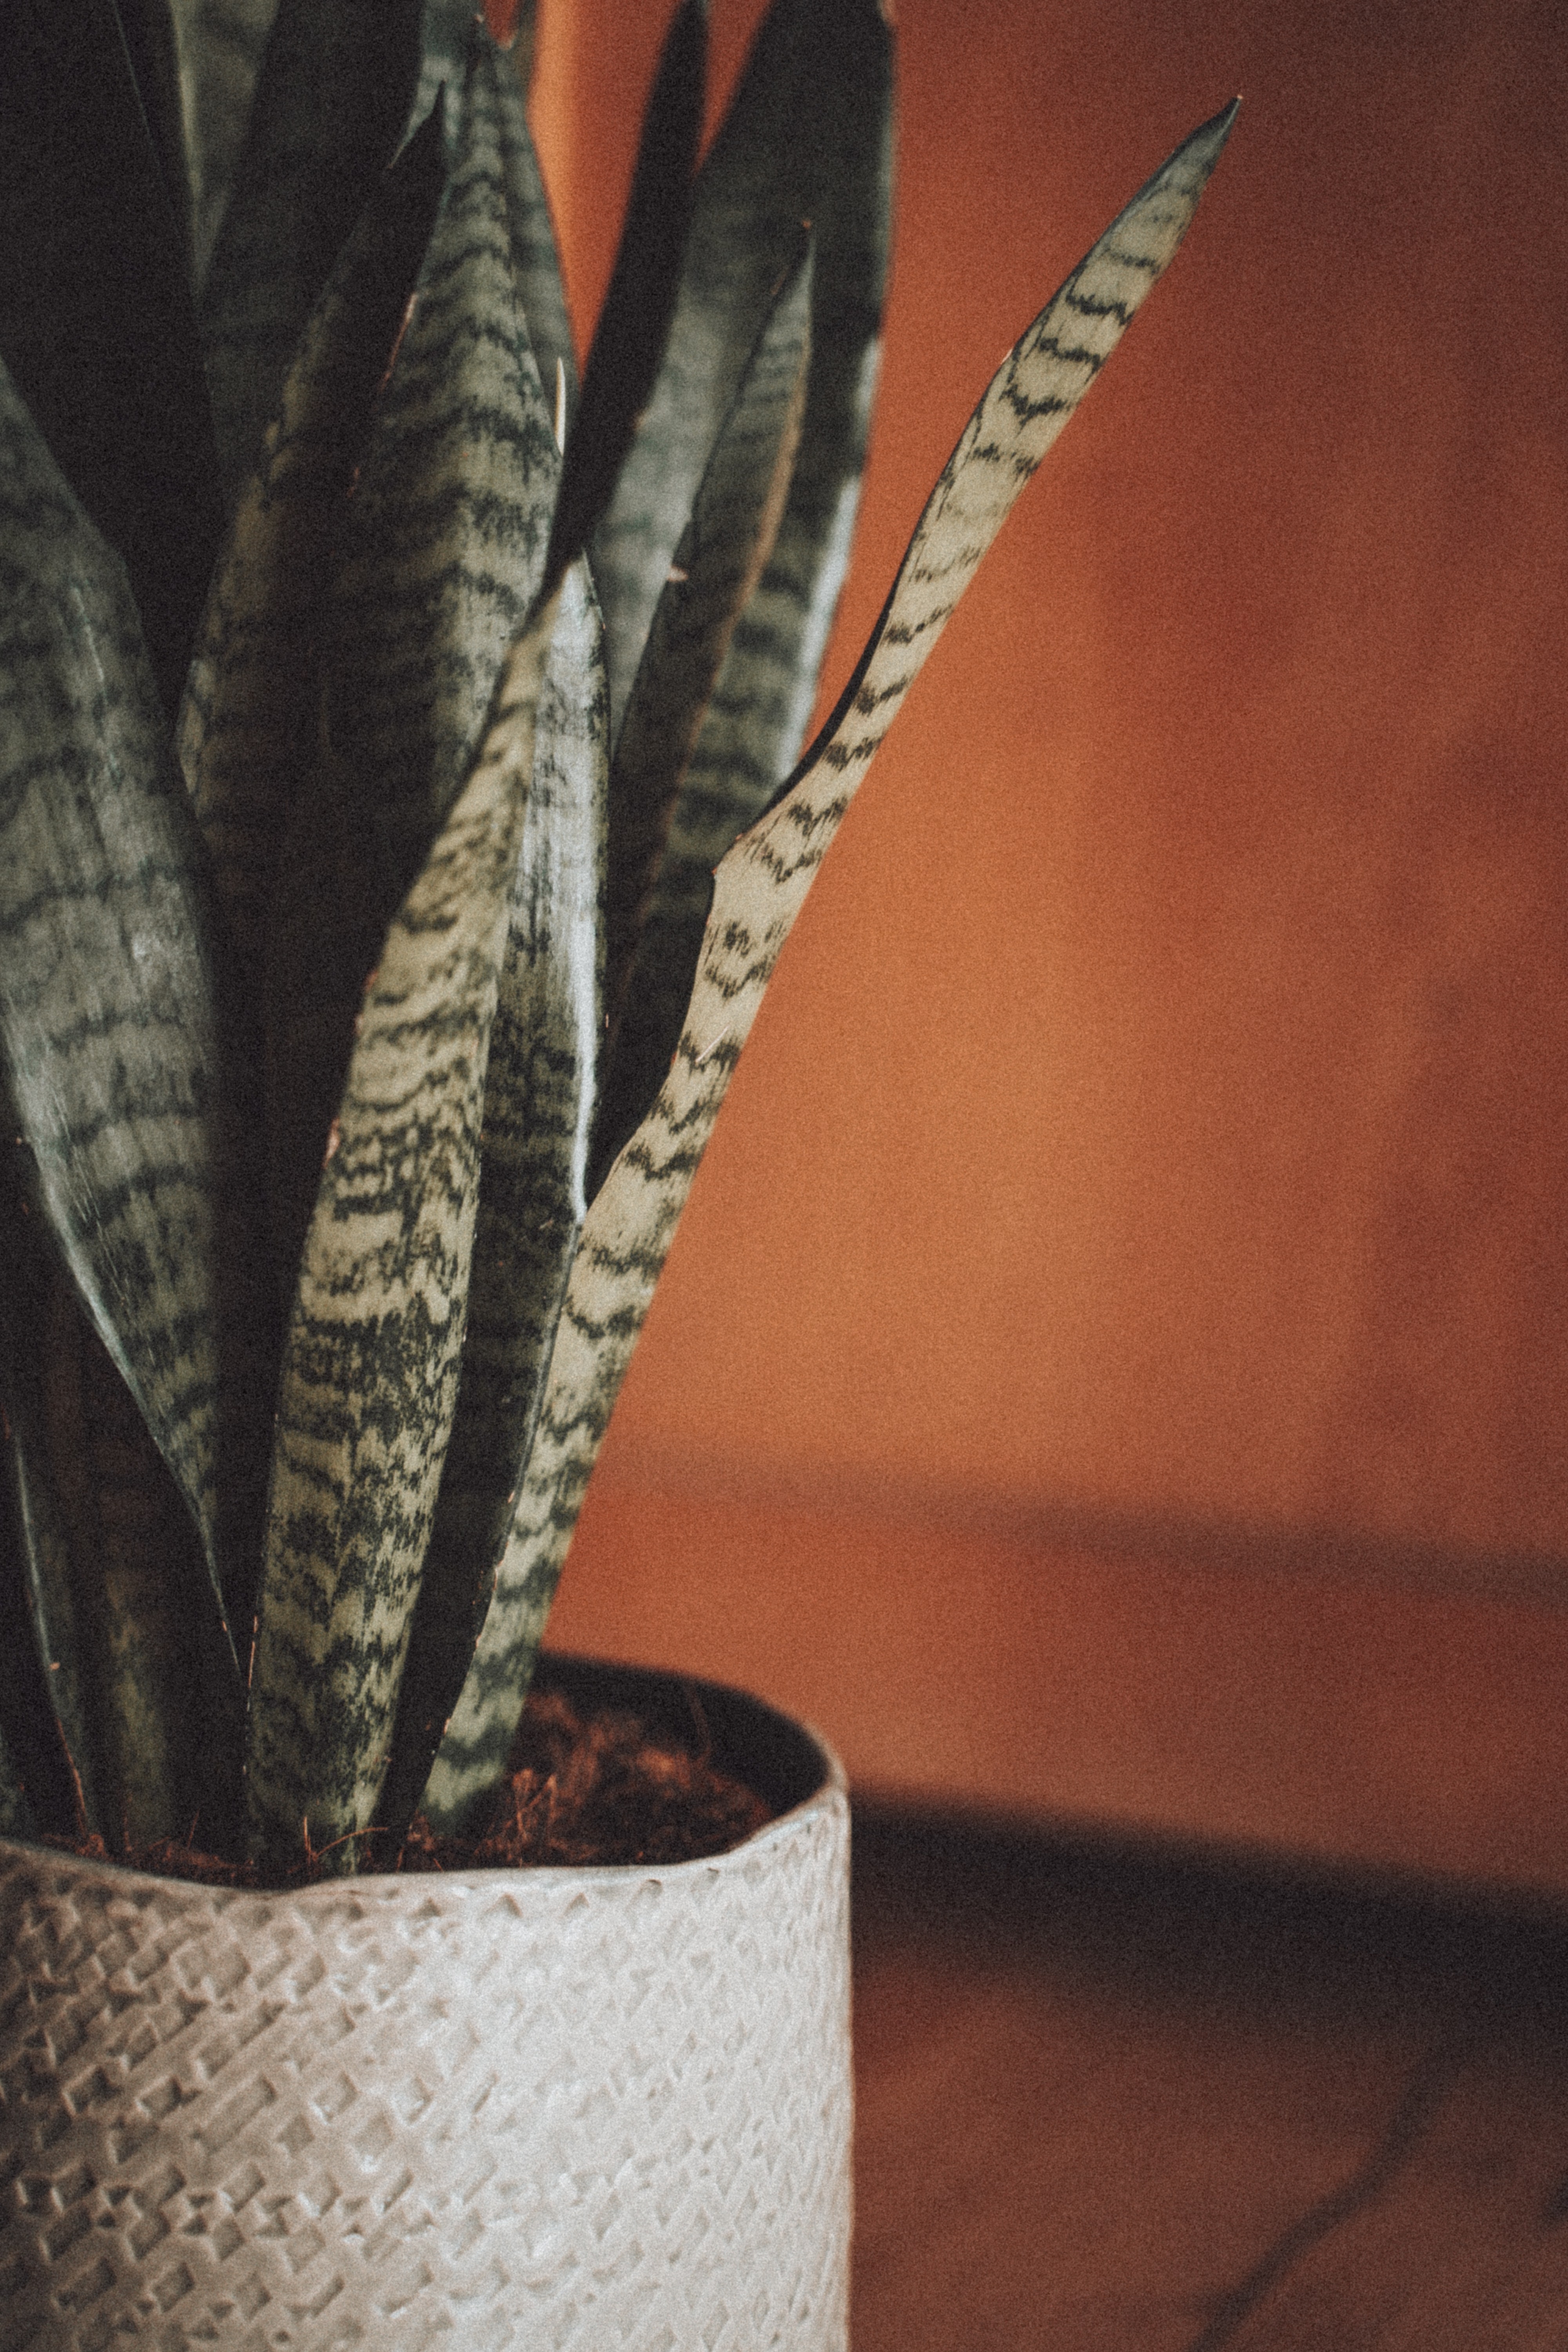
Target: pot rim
x=792 y=1742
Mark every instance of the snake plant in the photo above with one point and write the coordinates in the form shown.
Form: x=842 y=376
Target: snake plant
x=401 y=810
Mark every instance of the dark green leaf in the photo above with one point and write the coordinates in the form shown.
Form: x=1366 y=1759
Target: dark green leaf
x=331 y=107
x=533 y=252
x=44 y=1647
x=250 y=722
x=220 y=44
x=717 y=565
x=95 y=325
x=807 y=137
x=108 y=1021
x=635 y=317
x=372 y=1363
x=760 y=889
x=442 y=548
x=538 y=1097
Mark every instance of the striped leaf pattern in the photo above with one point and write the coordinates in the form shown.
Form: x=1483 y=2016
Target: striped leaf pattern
x=330 y=107
x=760 y=889
x=806 y=138
x=371 y=1366
x=108 y=1019
x=636 y=316
x=756 y=722
x=249 y=726
x=440 y=555
x=539 y=1098
x=448 y=27
x=717 y=564
x=221 y=44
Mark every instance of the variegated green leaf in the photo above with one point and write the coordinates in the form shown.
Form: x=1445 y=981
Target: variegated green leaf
x=807 y=137
x=371 y=1360
x=539 y=1097
x=756 y=722
x=96 y=323
x=534 y=251
x=760 y=889
x=249 y=723
x=221 y=44
x=635 y=320
x=442 y=551
x=330 y=107
x=717 y=565
x=109 y=1021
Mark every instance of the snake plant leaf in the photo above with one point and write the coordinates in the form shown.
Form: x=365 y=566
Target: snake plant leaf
x=760 y=889
x=109 y=1024
x=807 y=137
x=756 y=722
x=441 y=550
x=538 y=1095
x=95 y=321
x=635 y=317
x=220 y=45
x=248 y=725
x=534 y=256
x=43 y=1695
x=371 y=1361
x=330 y=107
x=717 y=565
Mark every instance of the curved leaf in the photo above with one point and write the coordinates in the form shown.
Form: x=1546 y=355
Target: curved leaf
x=109 y=1024
x=330 y=107
x=539 y=1099
x=717 y=564
x=807 y=137
x=638 y=306
x=441 y=550
x=760 y=889
x=371 y=1365
x=96 y=323
x=221 y=44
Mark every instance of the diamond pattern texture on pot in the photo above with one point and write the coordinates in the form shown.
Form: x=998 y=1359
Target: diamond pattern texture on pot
x=576 y=2109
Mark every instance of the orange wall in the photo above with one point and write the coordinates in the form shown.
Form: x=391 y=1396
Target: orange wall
x=1158 y=1129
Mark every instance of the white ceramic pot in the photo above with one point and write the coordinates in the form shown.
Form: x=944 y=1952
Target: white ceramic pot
x=585 y=2108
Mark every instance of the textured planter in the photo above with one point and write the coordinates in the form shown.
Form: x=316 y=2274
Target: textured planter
x=585 y=2108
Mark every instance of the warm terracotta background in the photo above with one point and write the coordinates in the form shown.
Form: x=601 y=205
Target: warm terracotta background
x=1124 y=1309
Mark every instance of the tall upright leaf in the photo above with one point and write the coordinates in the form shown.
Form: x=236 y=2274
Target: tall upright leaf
x=760 y=889
x=249 y=724
x=220 y=45
x=440 y=552
x=46 y=1697
x=331 y=107
x=533 y=251
x=370 y=1368
x=109 y=1010
x=717 y=564
x=807 y=137
x=539 y=1099
x=96 y=323
x=756 y=723
x=635 y=320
